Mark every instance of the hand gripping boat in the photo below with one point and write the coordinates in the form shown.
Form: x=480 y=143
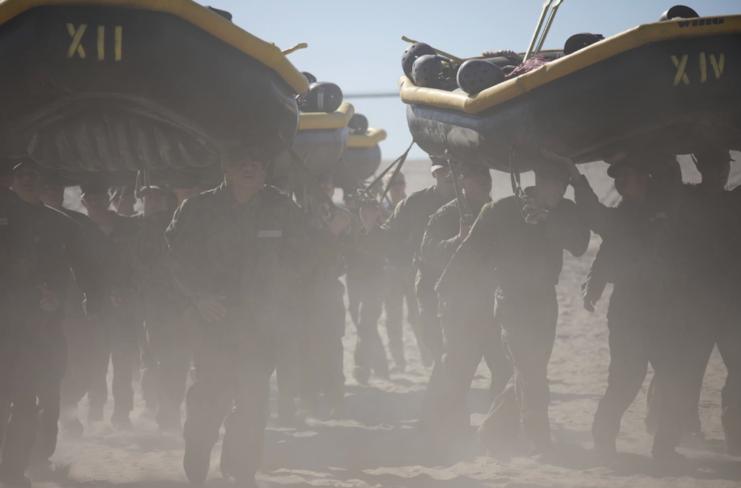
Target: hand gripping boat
x=672 y=86
x=361 y=158
x=125 y=85
x=320 y=141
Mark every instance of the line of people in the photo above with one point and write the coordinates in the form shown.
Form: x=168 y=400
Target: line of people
x=81 y=292
x=242 y=281
x=669 y=248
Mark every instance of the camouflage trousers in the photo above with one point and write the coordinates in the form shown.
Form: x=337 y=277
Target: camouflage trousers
x=710 y=318
x=81 y=335
x=469 y=338
x=321 y=346
x=234 y=360
x=400 y=288
x=636 y=339
x=29 y=392
x=365 y=294
x=528 y=322
x=117 y=344
x=169 y=344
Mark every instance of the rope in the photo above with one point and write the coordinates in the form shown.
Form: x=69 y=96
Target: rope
x=401 y=159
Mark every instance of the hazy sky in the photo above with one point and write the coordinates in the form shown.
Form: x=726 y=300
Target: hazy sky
x=358 y=45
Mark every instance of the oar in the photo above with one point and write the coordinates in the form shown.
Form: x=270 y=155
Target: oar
x=401 y=161
x=366 y=191
x=546 y=5
x=554 y=11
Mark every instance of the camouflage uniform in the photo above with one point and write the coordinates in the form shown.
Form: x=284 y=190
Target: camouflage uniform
x=469 y=329
x=399 y=287
x=248 y=254
x=365 y=281
x=524 y=262
x=51 y=244
x=118 y=341
x=708 y=239
x=321 y=348
x=406 y=227
x=168 y=340
x=630 y=258
x=80 y=332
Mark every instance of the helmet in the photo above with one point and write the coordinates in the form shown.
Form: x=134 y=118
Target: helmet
x=412 y=53
x=321 y=97
x=678 y=12
x=476 y=75
x=426 y=71
x=358 y=124
x=580 y=41
x=310 y=78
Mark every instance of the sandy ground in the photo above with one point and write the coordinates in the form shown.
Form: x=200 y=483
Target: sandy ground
x=378 y=446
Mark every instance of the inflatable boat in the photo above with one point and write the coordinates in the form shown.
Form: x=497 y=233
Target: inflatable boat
x=671 y=86
x=126 y=85
x=320 y=141
x=361 y=158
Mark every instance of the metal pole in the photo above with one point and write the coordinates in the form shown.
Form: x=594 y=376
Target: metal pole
x=554 y=11
x=537 y=29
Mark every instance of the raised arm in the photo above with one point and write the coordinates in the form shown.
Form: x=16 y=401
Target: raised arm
x=438 y=245
x=567 y=227
x=597 y=278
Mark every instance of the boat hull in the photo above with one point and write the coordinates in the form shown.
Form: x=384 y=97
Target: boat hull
x=360 y=163
x=636 y=100
x=99 y=88
x=320 y=149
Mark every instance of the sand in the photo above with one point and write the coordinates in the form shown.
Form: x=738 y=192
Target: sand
x=378 y=445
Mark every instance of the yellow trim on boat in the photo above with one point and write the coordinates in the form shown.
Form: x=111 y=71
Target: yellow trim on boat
x=630 y=39
x=321 y=120
x=188 y=10
x=369 y=139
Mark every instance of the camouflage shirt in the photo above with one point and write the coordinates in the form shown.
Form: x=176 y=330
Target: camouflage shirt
x=441 y=237
x=73 y=306
x=63 y=246
x=151 y=257
x=19 y=269
x=40 y=246
x=520 y=257
x=119 y=263
x=440 y=242
x=247 y=253
x=708 y=236
x=406 y=226
x=628 y=255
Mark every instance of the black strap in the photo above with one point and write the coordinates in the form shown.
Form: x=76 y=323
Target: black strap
x=401 y=161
